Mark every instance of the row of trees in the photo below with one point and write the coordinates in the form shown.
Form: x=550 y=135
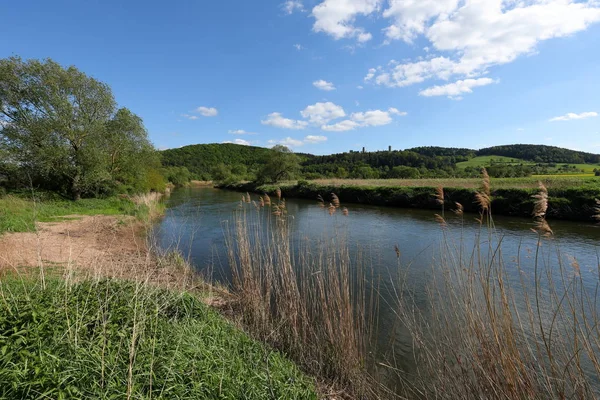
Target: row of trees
x=61 y=130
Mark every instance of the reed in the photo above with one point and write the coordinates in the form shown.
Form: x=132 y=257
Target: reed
x=485 y=335
x=309 y=300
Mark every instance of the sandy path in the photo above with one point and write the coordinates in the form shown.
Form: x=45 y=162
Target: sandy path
x=90 y=243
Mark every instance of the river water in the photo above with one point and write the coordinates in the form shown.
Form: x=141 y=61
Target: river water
x=196 y=218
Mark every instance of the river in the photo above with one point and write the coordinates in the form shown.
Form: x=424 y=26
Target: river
x=195 y=220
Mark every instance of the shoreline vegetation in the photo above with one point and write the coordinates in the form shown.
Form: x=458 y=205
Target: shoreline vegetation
x=141 y=323
x=568 y=198
x=91 y=308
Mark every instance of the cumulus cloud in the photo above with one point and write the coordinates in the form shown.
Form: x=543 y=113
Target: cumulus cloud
x=277 y=120
x=287 y=142
x=337 y=17
x=572 y=116
x=298 y=47
x=291 y=6
x=315 y=139
x=474 y=35
x=323 y=85
x=364 y=119
x=241 y=132
x=238 y=141
x=321 y=113
x=207 y=111
x=456 y=89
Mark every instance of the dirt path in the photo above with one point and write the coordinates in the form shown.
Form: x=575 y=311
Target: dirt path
x=90 y=245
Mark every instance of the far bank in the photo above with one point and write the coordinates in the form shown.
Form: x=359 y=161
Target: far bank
x=576 y=201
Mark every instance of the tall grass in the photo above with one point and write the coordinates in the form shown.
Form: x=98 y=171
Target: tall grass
x=487 y=334
x=485 y=331
x=308 y=299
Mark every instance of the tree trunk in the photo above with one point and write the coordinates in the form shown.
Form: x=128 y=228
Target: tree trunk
x=75 y=189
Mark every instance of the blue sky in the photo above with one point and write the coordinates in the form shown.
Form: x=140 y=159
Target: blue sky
x=326 y=76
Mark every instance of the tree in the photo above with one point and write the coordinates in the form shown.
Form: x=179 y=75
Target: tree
x=281 y=163
x=62 y=127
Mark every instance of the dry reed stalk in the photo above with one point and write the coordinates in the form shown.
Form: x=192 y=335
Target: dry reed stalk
x=597 y=210
x=302 y=301
x=278 y=191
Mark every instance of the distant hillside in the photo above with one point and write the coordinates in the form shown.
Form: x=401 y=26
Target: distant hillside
x=209 y=161
x=202 y=159
x=541 y=154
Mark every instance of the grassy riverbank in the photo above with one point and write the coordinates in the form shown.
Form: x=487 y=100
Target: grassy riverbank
x=569 y=198
x=104 y=339
x=89 y=309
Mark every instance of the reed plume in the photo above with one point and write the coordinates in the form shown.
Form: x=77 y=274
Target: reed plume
x=541 y=202
x=278 y=191
x=335 y=200
x=459 y=210
x=597 y=211
x=345 y=212
x=440 y=220
x=267 y=200
x=321 y=201
x=540 y=208
x=439 y=195
x=484 y=196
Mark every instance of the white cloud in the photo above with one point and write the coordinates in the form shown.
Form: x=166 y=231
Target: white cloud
x=207 y=111
x=360 y=87
x=238 y=141
x=520 y=129
x=337 y=17
x=241 y=132
x=395 y=111
x=324 y=85
x=571 y=116
x=475 y=35
x=299 y=47
x=292 y=5
x=322 y=113
x=456 y=89
x=346 y=125
x=288 y=142
x=188 y=116
x=363 y=119
x=411 y=16
x=277 y=120
x=315 y=139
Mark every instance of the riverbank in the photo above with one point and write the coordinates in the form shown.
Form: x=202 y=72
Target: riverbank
x=564 y=201
x=91 y=309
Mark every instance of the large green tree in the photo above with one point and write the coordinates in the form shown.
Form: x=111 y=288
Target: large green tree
x=63 y=129
x=280 y=164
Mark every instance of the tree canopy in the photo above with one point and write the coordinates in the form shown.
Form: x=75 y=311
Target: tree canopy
x=62 y=130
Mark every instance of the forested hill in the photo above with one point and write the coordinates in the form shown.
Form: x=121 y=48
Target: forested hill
x=220 y=161
x=203 y=159
x=541 y=154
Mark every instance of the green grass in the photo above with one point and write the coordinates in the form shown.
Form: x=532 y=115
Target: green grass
x=555 y=182
x=19 y=213
x=484 y=161
x=115 y=340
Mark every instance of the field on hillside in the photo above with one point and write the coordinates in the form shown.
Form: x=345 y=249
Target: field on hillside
x=484 y=161
x=468 y=183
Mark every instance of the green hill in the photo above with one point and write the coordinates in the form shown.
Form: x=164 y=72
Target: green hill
x=201 y=159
